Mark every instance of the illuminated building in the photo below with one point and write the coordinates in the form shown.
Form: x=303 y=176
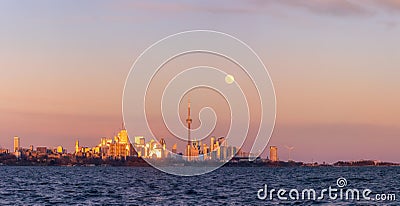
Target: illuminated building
x=96 y=151
x=122 y=136
x=60 y=150
x=222 y=142
x=139 y=140
x=41 y=150
x=140 y=146
x=121 y=147
x=104 y=147
x=117 y=147
x=3 y=151
x=17 y=145
x=273 y=153
x=174 y=149
x=222 y=148
x=218 y=150
x=205 y=151
x=102 y=150
x=163 y=148
x=77 y=149
x=212 y=142
x=154 y=150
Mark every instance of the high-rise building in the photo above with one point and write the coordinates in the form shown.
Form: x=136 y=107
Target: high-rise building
x=206 y=152
x=121 y=147
x=174 y=148
x=77 y=149
x=212 y=142
x=123 y=136
x=17 y=145
x=164 y=151
x=273 y=153
x=222 y=141
x=104 y=146
x=231 y=151
x=218 y=150
x=140 y=146
x=155 y=150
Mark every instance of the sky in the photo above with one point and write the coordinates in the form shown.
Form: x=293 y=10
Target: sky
x=334 y=64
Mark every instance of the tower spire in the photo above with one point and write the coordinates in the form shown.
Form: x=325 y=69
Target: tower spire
x=189 y=122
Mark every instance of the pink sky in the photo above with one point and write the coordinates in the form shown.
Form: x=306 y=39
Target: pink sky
x=335 y=66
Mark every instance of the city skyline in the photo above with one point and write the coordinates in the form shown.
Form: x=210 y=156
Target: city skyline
x=79 y=150
x=121 y=147
x=334 y=65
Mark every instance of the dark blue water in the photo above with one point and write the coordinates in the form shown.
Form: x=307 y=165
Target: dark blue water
x=148 y=186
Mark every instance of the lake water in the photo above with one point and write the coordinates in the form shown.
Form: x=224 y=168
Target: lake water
x=148 y=186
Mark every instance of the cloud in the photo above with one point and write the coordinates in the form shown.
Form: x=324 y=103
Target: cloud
x=320 y=7
x=335 y=7
x=388 y=5
x=329 y=7
x=182 y=6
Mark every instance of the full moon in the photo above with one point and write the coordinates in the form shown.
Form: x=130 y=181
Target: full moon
x=229 y=79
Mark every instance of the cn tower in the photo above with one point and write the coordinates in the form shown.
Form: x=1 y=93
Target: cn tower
x=189 y=121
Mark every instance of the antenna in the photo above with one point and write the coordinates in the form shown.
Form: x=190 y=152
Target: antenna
x=188 y=121
x=290 y=151
x=123 y=125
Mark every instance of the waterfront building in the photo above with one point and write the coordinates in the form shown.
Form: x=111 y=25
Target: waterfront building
x=212 y=142
x=121 y=147
x=104 y=146
x=77 y=148
x=140 y=145
x=3 y=151
x=41 y=150
x=174 y=149
x=60 y=150
x=164 y=151
x=273 y=153
x=155 y=150
x=17 y=144
x=206 y=151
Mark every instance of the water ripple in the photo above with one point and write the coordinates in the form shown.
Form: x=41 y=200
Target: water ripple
x=147 y=186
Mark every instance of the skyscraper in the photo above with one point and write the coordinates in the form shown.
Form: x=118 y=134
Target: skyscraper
x=121 y=147
x=164 y=151
x=123 y=136
x=212 y=142
x=17 y=145
x=174 y=149
x=77 y=149
x=140 y=146
x=273 y=153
